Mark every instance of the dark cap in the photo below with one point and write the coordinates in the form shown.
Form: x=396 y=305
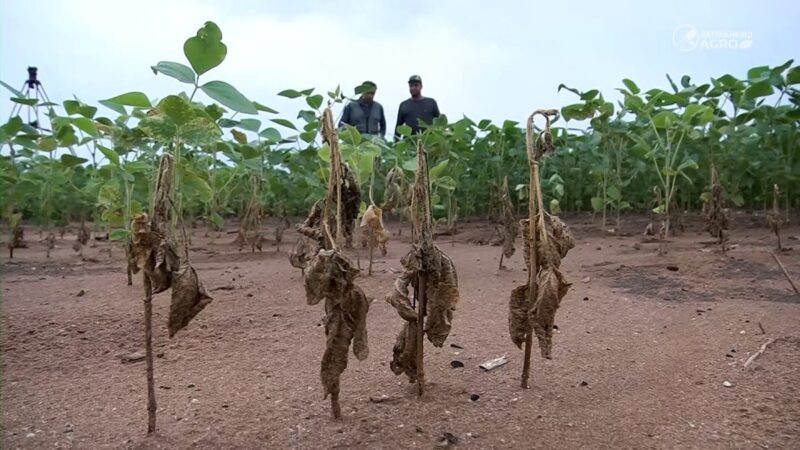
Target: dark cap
x=370 y=84
x=415 y=79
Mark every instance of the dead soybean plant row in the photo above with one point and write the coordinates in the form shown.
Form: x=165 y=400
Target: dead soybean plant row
x=328 y=272
x=155 y=254
x=714 y=212
x=532 y=306
x=435 y=283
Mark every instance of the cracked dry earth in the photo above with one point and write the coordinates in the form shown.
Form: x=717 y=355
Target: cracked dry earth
x=639 y=361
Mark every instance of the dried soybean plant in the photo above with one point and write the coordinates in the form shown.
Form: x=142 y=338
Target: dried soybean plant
x=433 y=277
x=49 y=242
x=17 y=238
x=397 y=195
x=372 y=227
x=283 y=224
x=82 y=239
x=714 y=212
x=155 y=253
x=329 y=274
x=774 y=217
x=532 y=306
x=508 y=227
x=250 y=228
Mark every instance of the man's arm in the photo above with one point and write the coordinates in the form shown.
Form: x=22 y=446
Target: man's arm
x=435 y=108
x=400 y=121
x=345 y=116
x=382 y=127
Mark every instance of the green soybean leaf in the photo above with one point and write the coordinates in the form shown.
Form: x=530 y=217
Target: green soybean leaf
x=613 y=193
x=118 y=234
x=759 y=73
x=264 y=108
x=632 y=87
x=25 y=101
x=228 y=96
x=555 y=207
x=179 y=71
x=217 y=220
x=159 y=128
x=68 y=160
x=411 y=164
x=271 y=135
x=250 y=125
x=760 y=89
x=47 y=144
x=200 y=131
x=87 y=111
x=205 y=50
x=793 y=75
x=198 y=185
x=438 y=169
x=248 y=152
x=110 y=154
x=13 y=90
x=285 y=123
x=597 y=204
x=290 y=93
x=177 y=109
x=119 y=109
x=71 y=106
x=86 y=125
x=228 y=123
x=308 y=136
x=315 y=101
x=664 y=119
x=135 y=99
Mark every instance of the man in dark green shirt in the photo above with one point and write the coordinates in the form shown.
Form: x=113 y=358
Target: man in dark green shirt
x=416 y=109
x=366 y=115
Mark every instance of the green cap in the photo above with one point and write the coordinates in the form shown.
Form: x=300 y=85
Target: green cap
x=415 y=78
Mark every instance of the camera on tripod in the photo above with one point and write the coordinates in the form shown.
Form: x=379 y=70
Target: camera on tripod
x=33 y=81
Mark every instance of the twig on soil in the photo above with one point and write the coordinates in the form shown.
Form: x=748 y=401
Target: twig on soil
x=760 y=352
x=385 y=399
x=785 y=273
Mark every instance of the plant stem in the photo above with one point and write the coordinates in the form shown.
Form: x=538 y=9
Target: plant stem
x=422 y=303
x=148 y=349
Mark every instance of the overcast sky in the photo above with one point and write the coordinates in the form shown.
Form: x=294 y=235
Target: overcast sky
x=495 y=60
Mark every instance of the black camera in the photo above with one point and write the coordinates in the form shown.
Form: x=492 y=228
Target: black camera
x=32 y=77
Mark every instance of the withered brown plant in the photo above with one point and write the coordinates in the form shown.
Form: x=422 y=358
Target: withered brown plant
x=532 y=306
x=328 y=272
x=154 y=253
x=435 y=283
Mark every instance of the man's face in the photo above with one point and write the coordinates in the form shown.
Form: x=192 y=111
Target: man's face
x=415 y=88
x=368 y=96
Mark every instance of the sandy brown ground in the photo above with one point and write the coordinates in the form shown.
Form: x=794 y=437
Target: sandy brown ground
x=640 y=355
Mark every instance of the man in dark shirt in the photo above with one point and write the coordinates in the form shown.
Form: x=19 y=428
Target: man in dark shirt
x=366 y=114
x=416 y=109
